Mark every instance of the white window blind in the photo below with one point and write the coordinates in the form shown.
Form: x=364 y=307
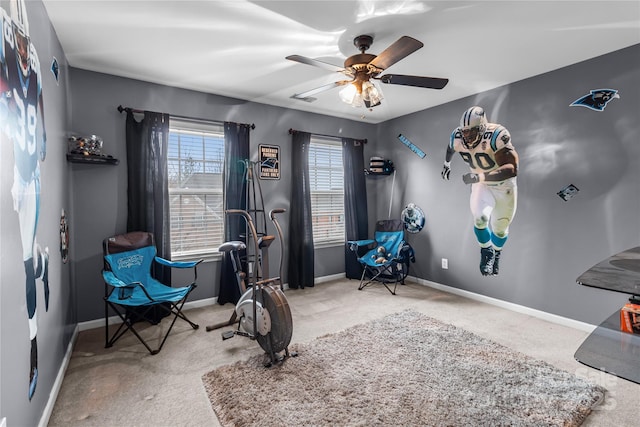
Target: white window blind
x=326 y=179
x=195 y=166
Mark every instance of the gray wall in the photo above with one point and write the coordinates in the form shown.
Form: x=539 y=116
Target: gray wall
x=551 y=241
x=55 y=326
x=100 y=192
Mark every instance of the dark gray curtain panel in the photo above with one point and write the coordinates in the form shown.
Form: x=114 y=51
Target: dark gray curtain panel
x=355 y=202
x=300 y=272
x=148 y=187
x=236 y=146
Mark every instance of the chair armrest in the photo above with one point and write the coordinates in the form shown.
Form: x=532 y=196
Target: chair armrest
x=112 y=280
x=125 y=290
x=182 y=264
x=361 y=242
x=354 y=245
x=177 y=264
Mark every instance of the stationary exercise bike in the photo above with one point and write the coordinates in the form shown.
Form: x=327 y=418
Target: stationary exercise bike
x=262 y=312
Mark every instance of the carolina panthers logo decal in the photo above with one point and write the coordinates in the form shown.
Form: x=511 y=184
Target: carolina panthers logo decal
x=597 y=99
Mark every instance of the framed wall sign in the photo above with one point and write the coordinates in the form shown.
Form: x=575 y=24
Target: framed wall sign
x=269 y=161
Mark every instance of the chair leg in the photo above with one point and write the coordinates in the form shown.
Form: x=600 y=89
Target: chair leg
x=186 y=319
x=375 y=279
x=384 y=283
x=106 y=324
x=362 y=284
x=178 y=313
x=127 y=325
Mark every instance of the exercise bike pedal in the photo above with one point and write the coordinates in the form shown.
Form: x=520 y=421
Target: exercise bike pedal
x=228 y=334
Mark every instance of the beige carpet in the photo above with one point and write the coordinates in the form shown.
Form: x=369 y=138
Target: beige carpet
x=404 y=369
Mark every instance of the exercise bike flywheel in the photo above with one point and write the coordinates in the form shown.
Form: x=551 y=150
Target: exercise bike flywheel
x=274 y=322
x=281 y=321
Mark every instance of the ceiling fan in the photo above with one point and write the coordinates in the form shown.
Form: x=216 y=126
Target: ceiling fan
x=364 y=67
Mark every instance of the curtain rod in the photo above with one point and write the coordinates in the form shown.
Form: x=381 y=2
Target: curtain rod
x=134 y=110
x=291 y=131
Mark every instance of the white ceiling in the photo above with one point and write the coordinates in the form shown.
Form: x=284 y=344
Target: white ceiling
x=238 y=48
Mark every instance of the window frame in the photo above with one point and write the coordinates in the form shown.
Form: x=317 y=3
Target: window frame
x=316 y=142
x=215 y=163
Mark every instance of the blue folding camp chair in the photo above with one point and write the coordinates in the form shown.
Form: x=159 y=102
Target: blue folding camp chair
x=133 y=293
x=387 y=257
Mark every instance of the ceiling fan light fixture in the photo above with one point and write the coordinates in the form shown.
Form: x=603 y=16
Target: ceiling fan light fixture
x=371 y=94
x=352 y=94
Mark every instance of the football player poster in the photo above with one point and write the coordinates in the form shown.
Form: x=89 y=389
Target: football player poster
x=488 y=151
x=22 y=125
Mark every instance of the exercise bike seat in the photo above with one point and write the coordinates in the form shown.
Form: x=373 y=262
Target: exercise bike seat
x=265 y=241
x=234 y=245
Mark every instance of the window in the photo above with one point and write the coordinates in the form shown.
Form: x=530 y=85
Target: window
x=195 y=165
x=326 y=179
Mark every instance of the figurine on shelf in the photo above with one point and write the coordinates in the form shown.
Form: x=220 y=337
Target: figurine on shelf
x=86 y=146
x=81 y=149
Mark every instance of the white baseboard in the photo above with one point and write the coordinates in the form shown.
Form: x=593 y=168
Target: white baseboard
x=53 y=395
x=200 y=303
x=328 y=278
x=553 y=318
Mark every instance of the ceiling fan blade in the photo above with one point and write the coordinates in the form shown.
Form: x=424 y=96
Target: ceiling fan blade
x=320 y=89
x=402 y=48
x=315 y=63
x=426 y=82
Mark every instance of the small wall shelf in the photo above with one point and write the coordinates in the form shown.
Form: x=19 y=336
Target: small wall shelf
x=95 y=160
x=369 y=172
x=380 y=166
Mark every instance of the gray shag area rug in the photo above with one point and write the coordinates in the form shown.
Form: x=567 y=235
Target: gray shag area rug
x=405 y=369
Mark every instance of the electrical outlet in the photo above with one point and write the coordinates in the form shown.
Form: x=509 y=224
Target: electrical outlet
x=445 y=263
